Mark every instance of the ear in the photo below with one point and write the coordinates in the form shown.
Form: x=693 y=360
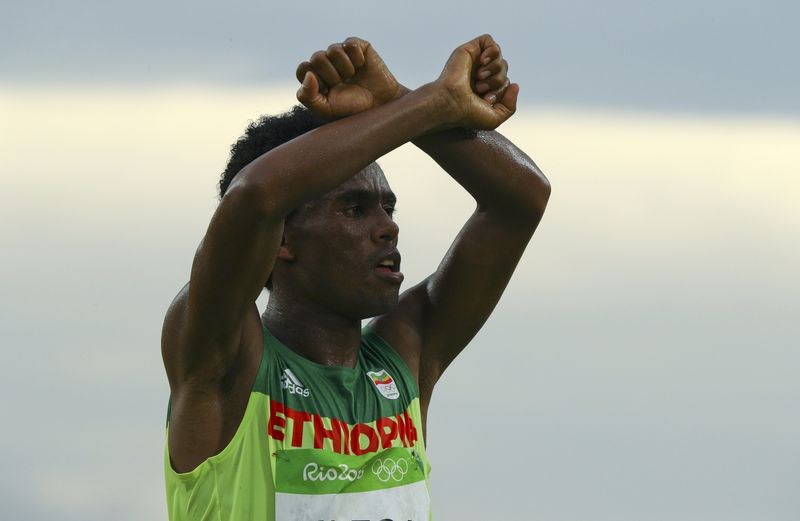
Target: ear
x=284 y=252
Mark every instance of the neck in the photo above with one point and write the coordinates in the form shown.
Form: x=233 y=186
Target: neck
x=316 y=334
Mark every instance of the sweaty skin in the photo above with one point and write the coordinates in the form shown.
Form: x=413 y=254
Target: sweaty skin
x=323 y=263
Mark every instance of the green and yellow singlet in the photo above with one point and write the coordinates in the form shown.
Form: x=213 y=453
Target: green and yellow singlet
x=316 y=443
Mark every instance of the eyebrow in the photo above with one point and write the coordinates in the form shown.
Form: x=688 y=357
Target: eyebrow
x=359 y=194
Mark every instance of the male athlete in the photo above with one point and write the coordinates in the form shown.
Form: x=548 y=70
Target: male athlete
x=300 y=414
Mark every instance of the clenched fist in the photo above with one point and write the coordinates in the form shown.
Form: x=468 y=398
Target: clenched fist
x=475 y=78
x=348 y=78
x=351 y=77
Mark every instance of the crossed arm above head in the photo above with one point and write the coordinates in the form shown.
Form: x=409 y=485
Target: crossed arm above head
x=211 y=330
x=450 y=306
x=438 y=317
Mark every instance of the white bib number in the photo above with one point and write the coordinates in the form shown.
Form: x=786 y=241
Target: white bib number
x=404 y=503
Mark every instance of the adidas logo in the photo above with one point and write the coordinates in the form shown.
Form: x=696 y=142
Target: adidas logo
x=291 y=383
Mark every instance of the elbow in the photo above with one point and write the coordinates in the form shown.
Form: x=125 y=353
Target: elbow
x=538 y=193
x=255 y=196
x=543 y=194
x=525 y=197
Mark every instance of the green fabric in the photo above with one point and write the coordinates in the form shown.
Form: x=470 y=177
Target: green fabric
x=311 y=430
x=310 y=471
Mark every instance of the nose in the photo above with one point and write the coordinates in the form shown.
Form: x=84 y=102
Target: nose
x=385 y=230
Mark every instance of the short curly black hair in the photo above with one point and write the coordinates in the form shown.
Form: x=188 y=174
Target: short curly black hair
x=265 y=134
x=262 y=136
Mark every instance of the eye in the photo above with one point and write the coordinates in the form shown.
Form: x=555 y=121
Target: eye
x=354 y=210
x=391 y=210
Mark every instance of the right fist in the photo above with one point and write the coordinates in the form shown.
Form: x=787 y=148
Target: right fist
x=475 y=79
x=348 y=78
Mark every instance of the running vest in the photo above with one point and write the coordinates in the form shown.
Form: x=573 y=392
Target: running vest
x=316 y=443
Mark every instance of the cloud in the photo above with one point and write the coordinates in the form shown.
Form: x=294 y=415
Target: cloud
x=642 y=358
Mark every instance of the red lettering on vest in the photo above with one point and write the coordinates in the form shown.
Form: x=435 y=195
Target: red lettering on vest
x=362 y=429
x=342 y=426
x=299 y=418
x=276 y=421
x=411 y=431
x=333 y=434
x=386 y=436
x=360 y=439
x=402 y=428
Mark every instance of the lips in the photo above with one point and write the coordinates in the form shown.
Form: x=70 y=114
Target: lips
x=390 y=274
x=393 y=256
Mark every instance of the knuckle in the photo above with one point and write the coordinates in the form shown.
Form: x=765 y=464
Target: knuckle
x=317 y=57
x=301 y=70
x=354 y=41
x=334 y=48
x=353 y=52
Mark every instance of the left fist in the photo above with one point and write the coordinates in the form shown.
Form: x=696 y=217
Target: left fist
x=348 y=78
x=491 y=74
x=476 y=80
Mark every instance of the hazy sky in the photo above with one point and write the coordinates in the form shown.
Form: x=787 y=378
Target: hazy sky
x=695 y=55
x=642 y=363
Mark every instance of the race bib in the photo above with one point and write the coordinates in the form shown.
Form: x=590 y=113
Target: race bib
x=320 y=485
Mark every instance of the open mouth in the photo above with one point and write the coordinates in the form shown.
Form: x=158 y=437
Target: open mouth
x=388 y=268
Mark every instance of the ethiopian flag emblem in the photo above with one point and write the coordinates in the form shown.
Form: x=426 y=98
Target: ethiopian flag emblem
x=384 y=383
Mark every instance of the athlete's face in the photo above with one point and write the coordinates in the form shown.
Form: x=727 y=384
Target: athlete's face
x=338 y=243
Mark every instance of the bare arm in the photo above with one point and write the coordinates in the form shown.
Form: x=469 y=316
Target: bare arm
x=202 y=338
x=438 y=317
x=238 y=252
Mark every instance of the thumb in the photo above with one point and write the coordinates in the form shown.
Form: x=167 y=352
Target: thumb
x=308 y=93
x=510 y=97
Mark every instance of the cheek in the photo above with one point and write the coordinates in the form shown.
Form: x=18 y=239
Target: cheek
x=338 y=254
x=335 y=247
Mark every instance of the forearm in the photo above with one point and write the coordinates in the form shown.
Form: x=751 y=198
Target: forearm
x=500 y=176
x=314 y=163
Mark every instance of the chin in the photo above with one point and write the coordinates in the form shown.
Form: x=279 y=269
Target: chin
x=382 y=306
x=384 y=309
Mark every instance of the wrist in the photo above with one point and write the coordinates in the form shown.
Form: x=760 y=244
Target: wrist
x=447 y=111
x=402 y=90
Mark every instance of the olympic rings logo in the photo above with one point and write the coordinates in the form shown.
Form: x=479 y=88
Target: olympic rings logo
x=387 y=468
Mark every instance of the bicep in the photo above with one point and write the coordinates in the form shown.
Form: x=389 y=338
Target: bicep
x=203 y=327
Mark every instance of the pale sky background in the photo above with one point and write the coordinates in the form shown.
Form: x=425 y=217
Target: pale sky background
x=643 y=363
